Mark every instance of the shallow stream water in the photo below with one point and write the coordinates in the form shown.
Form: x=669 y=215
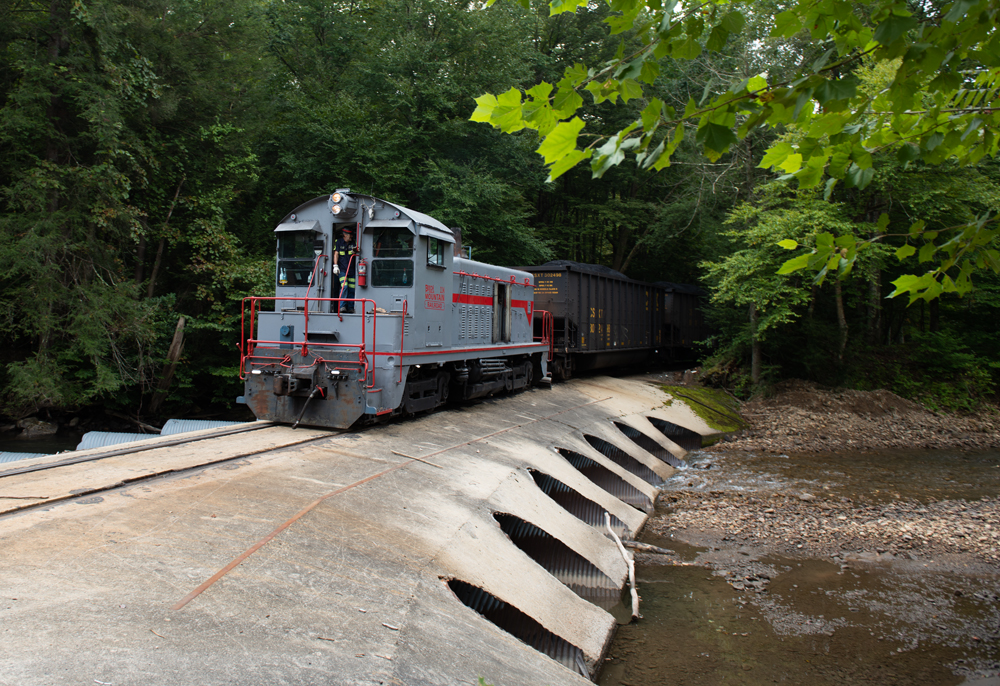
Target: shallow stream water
x=48 y=445
x=818 y=622
x=920 y=475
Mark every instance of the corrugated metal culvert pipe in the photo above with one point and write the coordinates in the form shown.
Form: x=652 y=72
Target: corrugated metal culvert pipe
x=520 y=625
x=565 y=564
x=584 y=509
x=649 y=445
x=623 y=459
x=608 y=480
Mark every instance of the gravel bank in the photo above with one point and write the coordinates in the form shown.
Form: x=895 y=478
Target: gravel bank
x=802 y=416
x=807 y=525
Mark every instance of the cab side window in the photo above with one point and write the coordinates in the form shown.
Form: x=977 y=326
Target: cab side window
x=392 y=259
x=435 y=252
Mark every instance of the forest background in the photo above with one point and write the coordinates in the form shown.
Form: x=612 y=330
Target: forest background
x=149 y=147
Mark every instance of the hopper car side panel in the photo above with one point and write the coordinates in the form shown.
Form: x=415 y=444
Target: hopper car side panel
x=602 y=318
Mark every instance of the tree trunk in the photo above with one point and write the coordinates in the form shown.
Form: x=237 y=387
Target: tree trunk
x=755 y=354
x=156 y=268
x=55 y=112
x=934 y=308
x=875 y=308
x=620 y=259
x=841 y=321
x=167 y=377
x=140 y=258
x=163 y=241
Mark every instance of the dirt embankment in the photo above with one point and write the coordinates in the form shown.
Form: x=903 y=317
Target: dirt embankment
x=802 y=416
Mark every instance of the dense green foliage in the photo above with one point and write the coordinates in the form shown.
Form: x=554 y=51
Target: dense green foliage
x=147 y=148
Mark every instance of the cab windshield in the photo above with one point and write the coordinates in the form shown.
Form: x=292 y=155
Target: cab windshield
x=295 y=258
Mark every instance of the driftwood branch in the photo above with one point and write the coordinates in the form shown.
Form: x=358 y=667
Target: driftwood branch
x=631 y=567
x=142 y=425
x=647 y=548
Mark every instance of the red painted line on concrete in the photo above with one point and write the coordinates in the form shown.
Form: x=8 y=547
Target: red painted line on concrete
x=304 y=511
x=262 y=542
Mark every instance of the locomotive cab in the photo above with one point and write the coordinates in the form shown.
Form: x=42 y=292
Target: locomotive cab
x=421 y=324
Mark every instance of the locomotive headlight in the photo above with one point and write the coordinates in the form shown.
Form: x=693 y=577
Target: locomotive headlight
x=342 y=204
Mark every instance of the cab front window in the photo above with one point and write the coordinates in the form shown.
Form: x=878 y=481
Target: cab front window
x=295 y=258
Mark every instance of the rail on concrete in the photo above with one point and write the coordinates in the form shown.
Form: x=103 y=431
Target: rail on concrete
x=461 y=545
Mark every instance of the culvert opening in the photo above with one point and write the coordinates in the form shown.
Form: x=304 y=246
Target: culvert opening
x=608 y=480
x=520 y=626
x=584 y=509
x=649 y=445
x=623 y=459
x=685 y=438
x=558 y=559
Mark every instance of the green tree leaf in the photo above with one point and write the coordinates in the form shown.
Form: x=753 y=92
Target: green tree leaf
x=561 y=140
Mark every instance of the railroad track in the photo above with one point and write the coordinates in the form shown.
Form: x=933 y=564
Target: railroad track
x=45 y=481
x=77 y=459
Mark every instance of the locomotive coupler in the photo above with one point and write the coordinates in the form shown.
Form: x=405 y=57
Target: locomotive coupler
x=298 y=382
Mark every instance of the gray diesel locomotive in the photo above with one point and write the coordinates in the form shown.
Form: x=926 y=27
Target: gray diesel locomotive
x=424 y=323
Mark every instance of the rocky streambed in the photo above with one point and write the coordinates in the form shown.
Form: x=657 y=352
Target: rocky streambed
x=825 y=545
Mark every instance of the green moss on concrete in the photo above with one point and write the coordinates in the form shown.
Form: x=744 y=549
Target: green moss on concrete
x=717 y=409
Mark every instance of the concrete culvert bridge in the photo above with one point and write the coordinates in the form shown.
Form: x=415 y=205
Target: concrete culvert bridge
x=260 y=554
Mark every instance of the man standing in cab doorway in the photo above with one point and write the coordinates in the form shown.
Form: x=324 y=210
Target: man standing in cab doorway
x=345 y=268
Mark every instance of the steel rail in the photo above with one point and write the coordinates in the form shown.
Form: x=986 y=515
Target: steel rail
x=134 y=449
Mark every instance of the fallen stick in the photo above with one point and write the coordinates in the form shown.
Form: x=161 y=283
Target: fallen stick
x=647 y=548
x=24 y=497
x=631 y=566
x=142 y=425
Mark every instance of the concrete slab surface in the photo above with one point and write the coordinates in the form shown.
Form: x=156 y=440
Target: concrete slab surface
x=317 y=557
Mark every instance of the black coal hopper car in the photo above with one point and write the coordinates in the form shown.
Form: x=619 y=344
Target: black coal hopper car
x=601 y=318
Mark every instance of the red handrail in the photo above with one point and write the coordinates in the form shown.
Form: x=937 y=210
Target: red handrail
x=313 y=274
x=402 y=333
x=548 y=332
x=248 y=343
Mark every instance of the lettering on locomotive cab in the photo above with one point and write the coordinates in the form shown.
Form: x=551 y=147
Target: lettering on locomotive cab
x=434 y=297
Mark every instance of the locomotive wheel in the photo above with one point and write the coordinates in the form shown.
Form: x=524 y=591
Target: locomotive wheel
x=529 y=374
x=443 y=386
